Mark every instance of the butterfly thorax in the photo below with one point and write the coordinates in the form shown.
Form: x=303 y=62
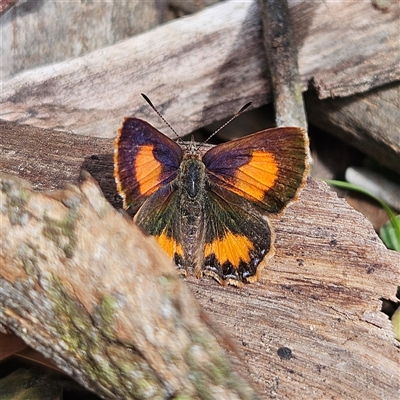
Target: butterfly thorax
x=192 y=175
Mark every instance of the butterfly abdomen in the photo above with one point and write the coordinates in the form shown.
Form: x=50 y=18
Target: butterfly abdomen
x=191 y=210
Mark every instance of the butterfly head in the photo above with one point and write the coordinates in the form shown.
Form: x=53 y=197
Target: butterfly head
x=191 y=148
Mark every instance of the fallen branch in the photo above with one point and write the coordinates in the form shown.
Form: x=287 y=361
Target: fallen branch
x=82 y=285
x=320 y=296
x=281 y=55
x=213 y=69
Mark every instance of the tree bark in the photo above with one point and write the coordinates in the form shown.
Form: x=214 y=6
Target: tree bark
x=311 y=328
x=81 y=284
x=281 y=55
x=214 y=68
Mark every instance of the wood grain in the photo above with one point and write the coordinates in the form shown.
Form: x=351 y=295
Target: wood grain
x=320 y=296
x=33 y=34
x=84 y=286
x=368 y=121
x=206 y=75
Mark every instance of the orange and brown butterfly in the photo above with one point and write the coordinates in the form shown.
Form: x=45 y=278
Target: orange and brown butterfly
x=208 y=212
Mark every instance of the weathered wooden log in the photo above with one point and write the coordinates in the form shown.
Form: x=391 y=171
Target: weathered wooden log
x=311 y=328
x=213 y=69
x=81 y=284
x=33 y=34
x=368 y=121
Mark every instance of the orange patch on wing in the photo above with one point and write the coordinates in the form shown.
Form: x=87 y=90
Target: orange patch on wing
x=170 y=245
x=147 y=170
x=231 y=247
x=257 y=176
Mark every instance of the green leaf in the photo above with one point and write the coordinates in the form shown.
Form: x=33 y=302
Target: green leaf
x=392 y=232
x=388 y=235
x=396 y=323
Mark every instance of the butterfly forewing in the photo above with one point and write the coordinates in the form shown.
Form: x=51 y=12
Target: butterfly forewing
x=144 y=161
x=267 y=168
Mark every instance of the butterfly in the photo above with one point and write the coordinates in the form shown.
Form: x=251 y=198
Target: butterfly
x=208 y=211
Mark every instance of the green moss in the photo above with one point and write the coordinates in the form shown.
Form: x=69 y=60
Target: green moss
x=212 y=369
x=104 y=315
x=17 y=197
x=140 y=379
x=103 y=357
x=62 y=233
x=17 y=193
x=108 y=305
x=198 y=372
x=71 y=322
x=30 y=258
x=75 y=329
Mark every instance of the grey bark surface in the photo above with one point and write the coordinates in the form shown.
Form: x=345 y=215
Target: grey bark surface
x=311 y=328
x=213 y=69
x=281 y=56
x=368 y=121
x=81 y=284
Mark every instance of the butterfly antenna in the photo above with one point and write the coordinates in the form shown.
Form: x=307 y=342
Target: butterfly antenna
x=159 y=114
x=229 y=121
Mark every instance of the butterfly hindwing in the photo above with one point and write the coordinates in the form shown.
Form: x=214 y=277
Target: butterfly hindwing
x=267 y=168
x=144 y=160
x=237 y=238
x=159 y=217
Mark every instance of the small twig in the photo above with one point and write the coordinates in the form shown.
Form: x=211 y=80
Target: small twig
x=282 y=61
